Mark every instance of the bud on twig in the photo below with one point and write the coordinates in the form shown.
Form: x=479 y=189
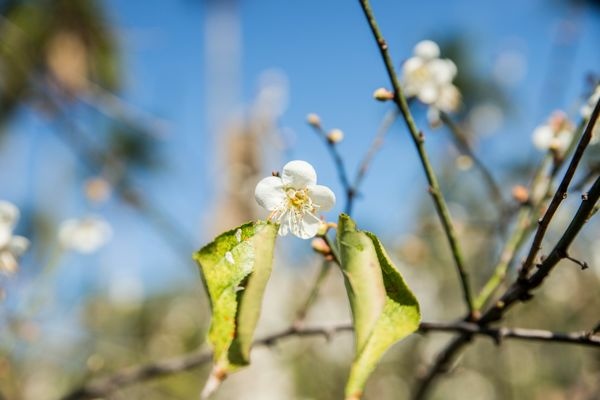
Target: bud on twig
x=382 y=94
x=320 y=246
x=520 y=194
x=335 y=136
x=313 y=120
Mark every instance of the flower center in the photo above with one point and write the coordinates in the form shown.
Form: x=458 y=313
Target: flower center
x=299 y=199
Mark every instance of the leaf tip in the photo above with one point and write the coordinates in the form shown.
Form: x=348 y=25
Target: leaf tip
x=345 y=223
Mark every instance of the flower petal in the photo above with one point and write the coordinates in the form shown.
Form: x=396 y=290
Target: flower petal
x=18 y=245
x=448 y=98
x=322 y=196
x=428 y=93
x=5 y=235
x=442 y=71
x=9 y=214
x=542 y=137
x=284 y=224
x=298 y=174
x=8 y=262
x=412 y=65
x=307 y=227
x=427 y=49
x=84 y=235
x=269 y=193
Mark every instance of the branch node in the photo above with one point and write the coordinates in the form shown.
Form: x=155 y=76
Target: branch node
x=525 y=296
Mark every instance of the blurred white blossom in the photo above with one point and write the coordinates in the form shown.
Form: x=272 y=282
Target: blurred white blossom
x=586 y=112
x=555 y=135
x=85 y=235
x=294 y=199
x=11 y=246
x=429 y=78
x=588 y=107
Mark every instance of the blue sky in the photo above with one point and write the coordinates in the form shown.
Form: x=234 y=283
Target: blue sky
x=328 y=55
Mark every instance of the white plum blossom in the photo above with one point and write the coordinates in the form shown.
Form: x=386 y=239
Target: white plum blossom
x=294 y=199
x=555 y=135
x=85 y=235
x=429 y=78
x=11 y=246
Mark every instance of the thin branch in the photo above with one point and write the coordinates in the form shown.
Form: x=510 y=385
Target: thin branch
x=442 y=363
x=525 y=226
x=418 y=140
x=461 y=141
x=102 y=387
x=594 y=330
x=520 y=290
x=561 y=193
x=339 y=164
x=521 y=231
x=386 y=124
x=313 y=294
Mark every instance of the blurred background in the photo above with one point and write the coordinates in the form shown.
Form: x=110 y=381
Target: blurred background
x=159 y=117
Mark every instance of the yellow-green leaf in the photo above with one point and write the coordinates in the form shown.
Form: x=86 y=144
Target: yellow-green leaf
x=236 y=267
x=384 y=309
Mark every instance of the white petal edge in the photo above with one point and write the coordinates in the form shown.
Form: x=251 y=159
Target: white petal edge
x=427 y=49
x=269 y=192
x=5 y=235
x=18 y=245
x=298 y=174
x=9 y=214
x=308 y=227
x=322 y=196
x=8 y=262
x=284 y=224
x=542 y=137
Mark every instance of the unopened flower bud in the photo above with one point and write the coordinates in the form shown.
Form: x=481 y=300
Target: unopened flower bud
x=464 y=162
x=382 y=94
x=335 y=136
x=520 y=194
x=324 y=228
x=320 y=246
x=313 y=120
x=97 y=189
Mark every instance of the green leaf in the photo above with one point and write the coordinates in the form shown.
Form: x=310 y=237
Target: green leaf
x=236 y=267
x=384 y=309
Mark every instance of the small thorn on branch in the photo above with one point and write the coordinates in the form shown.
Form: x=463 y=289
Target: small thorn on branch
x=582 y=264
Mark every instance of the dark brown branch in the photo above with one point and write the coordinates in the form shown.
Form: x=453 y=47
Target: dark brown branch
x=520 y=290
x=561 y=193
x=102 y=387
x=442 y=364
